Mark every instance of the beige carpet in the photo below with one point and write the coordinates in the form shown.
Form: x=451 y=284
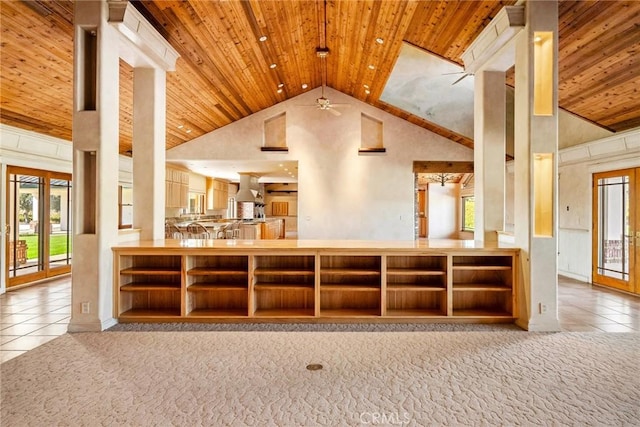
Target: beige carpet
x=368 y=378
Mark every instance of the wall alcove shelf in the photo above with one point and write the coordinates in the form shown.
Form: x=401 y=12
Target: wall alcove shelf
x=314 y=281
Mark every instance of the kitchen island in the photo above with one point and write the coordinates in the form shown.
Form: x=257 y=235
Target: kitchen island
x=264 y=228
x=199 y=280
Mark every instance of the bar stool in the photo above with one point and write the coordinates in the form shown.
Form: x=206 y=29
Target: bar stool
x=171 y=231
x=197 y=231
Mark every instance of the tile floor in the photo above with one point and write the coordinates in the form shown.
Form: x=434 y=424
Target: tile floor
x=31 y=316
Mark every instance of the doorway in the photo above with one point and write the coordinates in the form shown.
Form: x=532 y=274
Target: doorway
x=616 y=229
x=38 y=238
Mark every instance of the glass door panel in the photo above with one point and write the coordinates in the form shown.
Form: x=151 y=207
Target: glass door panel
x=60 y=235
x=25 y=228
x=614 y=213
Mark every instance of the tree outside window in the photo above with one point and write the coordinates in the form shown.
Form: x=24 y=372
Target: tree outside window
x=468 y=213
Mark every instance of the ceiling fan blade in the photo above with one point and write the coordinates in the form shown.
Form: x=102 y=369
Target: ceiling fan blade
x=460 y=79
x=334 y=112
x=455 y=72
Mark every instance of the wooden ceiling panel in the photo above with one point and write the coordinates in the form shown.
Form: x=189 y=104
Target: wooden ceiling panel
x=224 y=71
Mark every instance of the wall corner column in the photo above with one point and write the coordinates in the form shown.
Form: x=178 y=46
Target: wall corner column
x=536 y=177
x=149 y=128
x=489 y=154
x=95 y=171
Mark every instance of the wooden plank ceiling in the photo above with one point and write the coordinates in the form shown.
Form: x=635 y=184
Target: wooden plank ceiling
x=224 y=72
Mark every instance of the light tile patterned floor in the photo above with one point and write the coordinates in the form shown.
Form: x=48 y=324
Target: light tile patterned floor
x=31 y=316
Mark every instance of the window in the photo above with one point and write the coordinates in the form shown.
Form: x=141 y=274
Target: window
x=468 y=213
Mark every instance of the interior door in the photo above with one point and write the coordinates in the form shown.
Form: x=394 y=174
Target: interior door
x=38 y=238
x=422 y=214
x=616 y=229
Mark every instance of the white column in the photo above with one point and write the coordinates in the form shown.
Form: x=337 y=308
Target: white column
x=536 y=134
x=95 y=166
x=489 y=154
x=149 y=129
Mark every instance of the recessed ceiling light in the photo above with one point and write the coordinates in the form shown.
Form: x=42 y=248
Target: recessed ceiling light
x=272 y=66
x=180 y=126
x=367 y=91
x=304 y=86
x=366 y=86
x=279 y=91
x=379 y=40
x=281 y=85
x=263 y=38
x=188 y=130
x=372 y=67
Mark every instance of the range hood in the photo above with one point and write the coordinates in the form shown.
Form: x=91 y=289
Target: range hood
x=245 y=193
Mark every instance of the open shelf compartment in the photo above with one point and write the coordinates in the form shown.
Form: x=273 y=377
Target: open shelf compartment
x=150 y=286
x=217 y=286
x=350 y=285
x=284 y=285
x=483 y=286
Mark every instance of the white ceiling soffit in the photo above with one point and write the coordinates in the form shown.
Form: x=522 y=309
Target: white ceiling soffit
x=267 y=170
x=423 y=84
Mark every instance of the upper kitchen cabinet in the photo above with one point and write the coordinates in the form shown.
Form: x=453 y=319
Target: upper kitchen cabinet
x=176 y=188
x=217 y=194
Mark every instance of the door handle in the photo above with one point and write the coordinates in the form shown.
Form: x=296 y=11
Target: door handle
x=637 y=239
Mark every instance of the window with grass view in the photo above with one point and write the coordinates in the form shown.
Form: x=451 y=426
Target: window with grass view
x=468 y=216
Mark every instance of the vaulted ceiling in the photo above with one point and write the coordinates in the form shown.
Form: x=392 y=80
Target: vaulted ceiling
x=225 y=71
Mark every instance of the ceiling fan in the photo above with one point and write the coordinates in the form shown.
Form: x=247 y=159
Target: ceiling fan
x=324 y=103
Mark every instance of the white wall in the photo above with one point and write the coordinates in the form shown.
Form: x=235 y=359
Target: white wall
x=444 y=211
x=342 y=195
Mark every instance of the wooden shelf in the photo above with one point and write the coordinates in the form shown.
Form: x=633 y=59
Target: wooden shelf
x=414 y=288
x=350 y=272
x=350 y=312
x=135 y=313
x=148 y=271
x=204 y=287
x=283 y=287
x=329 y=287
x=206 y=271
x=282 y=272
x=289 y=312
x=414 y=272
x=213 y=312
x=480 y=287
x=416 y=313
x=302 y=281
x=472 y=313
x=482 y=267
x=140 y=287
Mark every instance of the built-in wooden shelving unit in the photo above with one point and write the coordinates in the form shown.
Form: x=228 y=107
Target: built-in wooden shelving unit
x=314 y=281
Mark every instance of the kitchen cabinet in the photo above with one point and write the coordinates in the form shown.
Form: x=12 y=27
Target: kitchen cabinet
x=217 y=193
x=176 y=188
x=273 y=229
